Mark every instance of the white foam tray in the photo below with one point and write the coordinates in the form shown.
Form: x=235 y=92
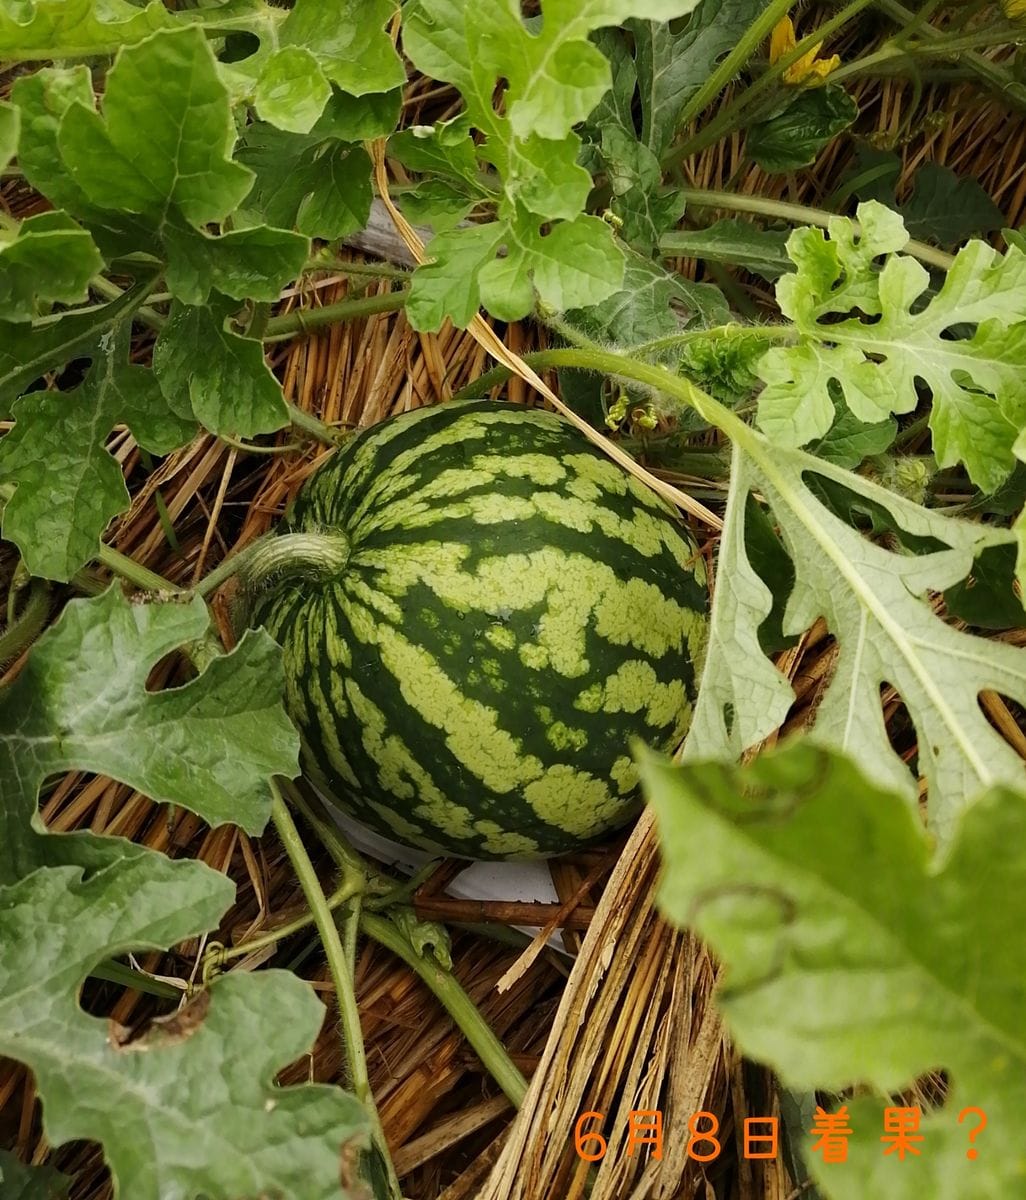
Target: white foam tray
x=519 y=881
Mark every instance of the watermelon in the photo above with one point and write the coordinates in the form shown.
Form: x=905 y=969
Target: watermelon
x=497 y=611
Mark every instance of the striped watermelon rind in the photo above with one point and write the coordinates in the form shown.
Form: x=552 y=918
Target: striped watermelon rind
x=514 y=608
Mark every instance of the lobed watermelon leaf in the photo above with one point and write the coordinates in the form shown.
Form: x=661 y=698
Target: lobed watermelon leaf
x=81 y=703
x=47 y=259
x=68 y=487
x=189 y=1107
x=854 y=954
x=967 y=343
x=554 y=78
x=875 y=600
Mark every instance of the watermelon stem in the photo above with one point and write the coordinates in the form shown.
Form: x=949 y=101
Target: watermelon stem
x=341 y=975
x=310 y=555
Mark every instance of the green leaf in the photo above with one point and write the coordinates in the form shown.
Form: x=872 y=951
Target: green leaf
x=30 y=1183
x=987 y=597
x=71 y=901
x=75 y=28
x=318 y=186
x=43 y=98
x=68 y=485
x=875 y=600
x=49 y=260
x=10 y=125
x=735 y=242
x=436 y=202
x=448 y=286
x=445 y=147
x=155 y=171
x=672 y=64
x=849 y=441
x=771 y=563
x=209 y=372
x=165 y=137
x=188 y=1108
x=81 y=703
x=554 y=76
x=794 y=138
x=745 y=698
x=349 y=40
x=292 y=90
x=942 y=207
x=723 y=363
x=27 y=352
x=245 y=264
x=569 y=266
x=879 y=963
x=360 y=118
x=543 y=101
x=977 y=382
x=651 y=304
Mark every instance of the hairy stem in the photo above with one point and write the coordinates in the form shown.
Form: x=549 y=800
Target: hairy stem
x=994 y=75
x=443 y=983
x=311 y=425
x=750 y=41
x=800 y=214
x=352 y=885
x=304 y=320
x=738 y=113
x=143 y=578
x=28 y=624
x=345 y=990
x=457 y=1003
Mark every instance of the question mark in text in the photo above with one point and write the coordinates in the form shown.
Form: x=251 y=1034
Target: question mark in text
x=972 y=1152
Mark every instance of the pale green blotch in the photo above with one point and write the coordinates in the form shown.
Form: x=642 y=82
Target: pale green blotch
x=514 y=581
x=644 y=533
x=471 y=728
x=365 y=453
x=600 y=472
x=395 y=820
x=636 y=613
x=542 y=469
x=472 y=426
x=339 y=646
x=487 y=470
x=373 y=598
x=633 y=687
x=564 y=737
x=496 y=840
x=328 y=723
x=501 y=637
x=488 y=508
x=401 y=775
x=625 y=775
x=573 y=801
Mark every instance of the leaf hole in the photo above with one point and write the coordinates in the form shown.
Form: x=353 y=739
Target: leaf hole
x=1007 y=717
x=900 y=729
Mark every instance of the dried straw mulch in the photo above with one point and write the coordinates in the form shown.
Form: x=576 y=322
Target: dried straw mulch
x=634 y=1025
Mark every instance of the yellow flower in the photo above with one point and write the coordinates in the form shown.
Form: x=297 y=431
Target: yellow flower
x=1014 y=10
x=808 y=68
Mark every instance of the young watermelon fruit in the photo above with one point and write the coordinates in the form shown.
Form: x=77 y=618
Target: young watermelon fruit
x=478 y=612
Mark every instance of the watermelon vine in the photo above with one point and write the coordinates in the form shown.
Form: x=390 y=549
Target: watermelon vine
x=473 y=626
